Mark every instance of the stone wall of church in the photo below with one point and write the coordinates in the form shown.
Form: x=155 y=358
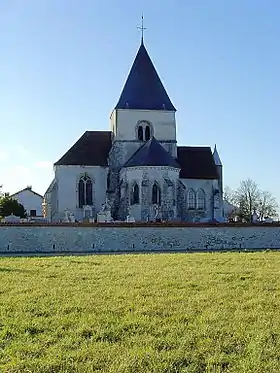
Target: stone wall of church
x=67 y=181
x=125 y=121
x=121 y=151
x=28 y=239
x=145 y=177
x=195 y=214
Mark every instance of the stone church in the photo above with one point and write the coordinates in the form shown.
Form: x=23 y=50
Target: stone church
x=136 y=169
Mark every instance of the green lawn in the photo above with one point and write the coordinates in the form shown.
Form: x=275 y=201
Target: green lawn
x=141 y=313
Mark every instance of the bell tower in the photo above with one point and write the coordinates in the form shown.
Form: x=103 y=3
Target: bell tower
x=144 y=108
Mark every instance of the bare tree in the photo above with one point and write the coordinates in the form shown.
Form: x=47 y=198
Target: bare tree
x=248 y=198
x=228 y=195
x=268 y=206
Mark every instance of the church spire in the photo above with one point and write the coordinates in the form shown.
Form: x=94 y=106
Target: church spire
x=143 y=89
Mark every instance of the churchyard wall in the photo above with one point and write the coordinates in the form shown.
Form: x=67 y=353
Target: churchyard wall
x=59 y=238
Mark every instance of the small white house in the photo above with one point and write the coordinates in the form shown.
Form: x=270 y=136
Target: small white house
x=31 y=201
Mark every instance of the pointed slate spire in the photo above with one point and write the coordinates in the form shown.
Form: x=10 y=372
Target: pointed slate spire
x=143 y=88
x=217 y=157
x=152 y=154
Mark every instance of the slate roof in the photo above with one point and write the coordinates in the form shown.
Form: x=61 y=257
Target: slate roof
x=143 y=88
x=151 y=154
x=92 y=149
x=196 y=162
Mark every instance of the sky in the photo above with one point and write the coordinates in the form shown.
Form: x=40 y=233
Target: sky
x=63 y=64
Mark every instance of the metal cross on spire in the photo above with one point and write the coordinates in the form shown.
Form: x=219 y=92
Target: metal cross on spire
x=142 y=28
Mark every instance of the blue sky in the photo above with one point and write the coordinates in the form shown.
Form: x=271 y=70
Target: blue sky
x=63 y=64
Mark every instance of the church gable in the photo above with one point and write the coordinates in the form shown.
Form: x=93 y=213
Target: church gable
x=92 y=149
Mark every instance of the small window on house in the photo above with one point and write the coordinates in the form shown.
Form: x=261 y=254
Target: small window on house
x=200 y=199
x=135 y=195
x=191 y=200
x=140 y=133
x=156 y=194
x=32 y=212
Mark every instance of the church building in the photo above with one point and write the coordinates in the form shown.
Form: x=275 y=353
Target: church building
x=136 y=168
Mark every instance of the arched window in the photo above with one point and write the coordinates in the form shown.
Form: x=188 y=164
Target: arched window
x=191 y=199
x=200 y=199
x=140 y=133
x=144 y=130
x=89 y=192
x=135 y=194
x=147 y=132
x=156 y=195
x=81 y=193
x=85 y=192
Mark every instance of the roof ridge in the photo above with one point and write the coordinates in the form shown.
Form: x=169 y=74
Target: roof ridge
x=100 y=131
x=193 y=147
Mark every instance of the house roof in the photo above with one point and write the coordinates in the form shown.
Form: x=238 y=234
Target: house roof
x=143 y=88
x=26 y=189
x=151 y=154
x=92 y=149
x=196 y=162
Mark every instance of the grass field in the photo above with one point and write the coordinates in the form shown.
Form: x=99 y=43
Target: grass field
x=141 y=313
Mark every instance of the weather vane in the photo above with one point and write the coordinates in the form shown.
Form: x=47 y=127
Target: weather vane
x=142 y=28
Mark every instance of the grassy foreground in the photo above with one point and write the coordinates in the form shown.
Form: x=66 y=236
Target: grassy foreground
x=141 y=313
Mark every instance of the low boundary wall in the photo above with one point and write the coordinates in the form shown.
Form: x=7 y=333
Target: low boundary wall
x=59 y=238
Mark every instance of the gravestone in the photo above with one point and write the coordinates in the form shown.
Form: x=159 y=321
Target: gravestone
x=104 y=215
